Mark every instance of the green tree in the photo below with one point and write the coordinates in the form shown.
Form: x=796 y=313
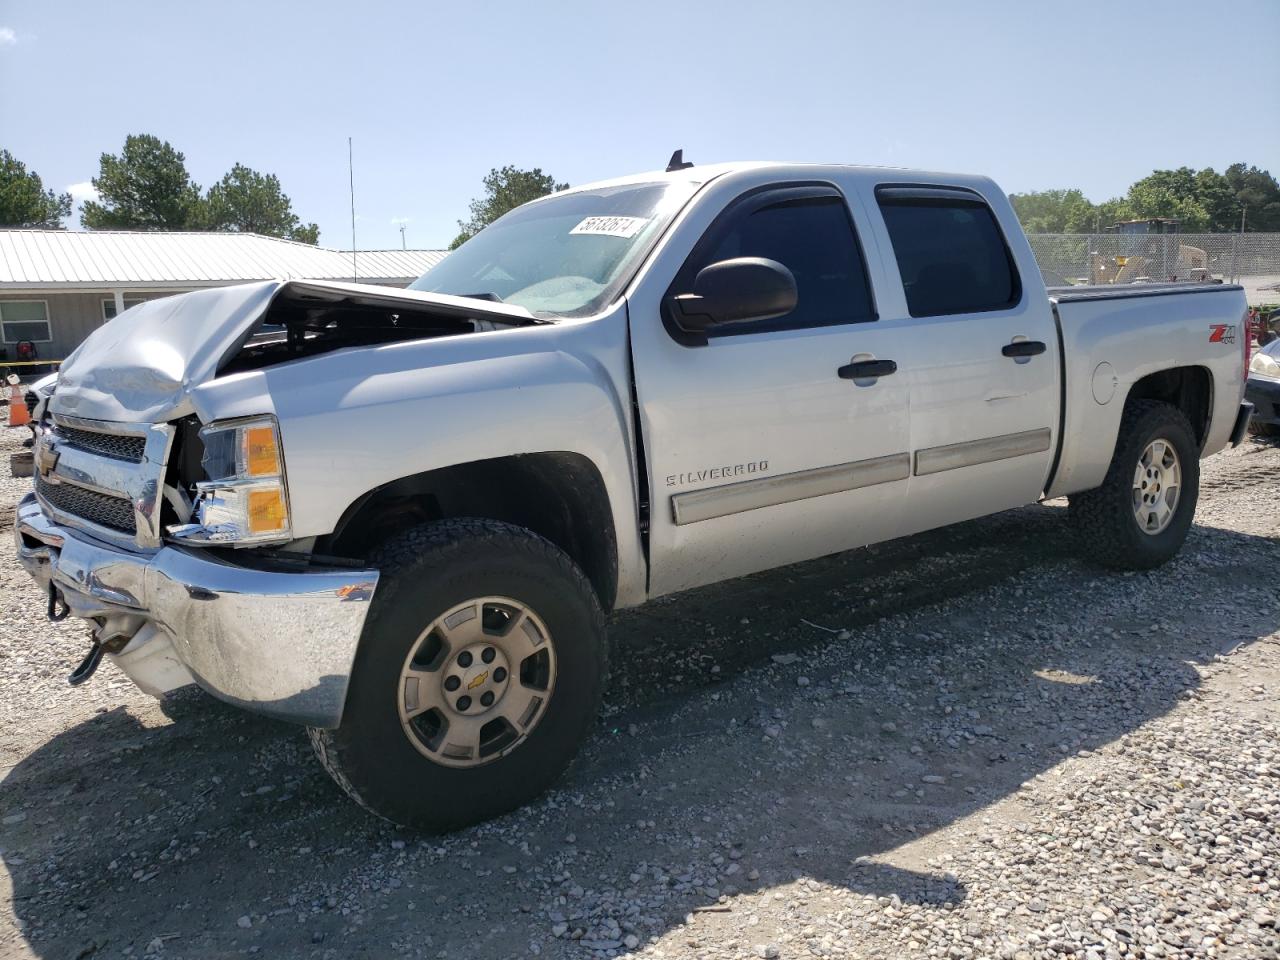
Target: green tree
x=1209 y=200
x=24 y=202
x=504 y=190
x=1201 y=200
x=1115 y=210
x=146 y=187
x=248 y=201
x=1172 y=194
x=1054 y=211
x=1258 y=193
x=1218 y=199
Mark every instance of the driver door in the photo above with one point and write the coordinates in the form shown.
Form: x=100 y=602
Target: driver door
x=759 y=450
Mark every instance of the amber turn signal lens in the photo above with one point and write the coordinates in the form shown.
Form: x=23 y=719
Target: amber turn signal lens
x=261 y=454
x=267 y=512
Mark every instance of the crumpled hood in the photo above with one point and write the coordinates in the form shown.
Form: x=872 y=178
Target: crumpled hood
x=141 y=366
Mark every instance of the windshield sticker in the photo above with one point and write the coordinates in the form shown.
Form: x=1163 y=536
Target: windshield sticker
x=625 y=227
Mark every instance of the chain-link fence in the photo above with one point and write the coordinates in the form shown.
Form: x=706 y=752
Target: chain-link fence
x=1252 y=259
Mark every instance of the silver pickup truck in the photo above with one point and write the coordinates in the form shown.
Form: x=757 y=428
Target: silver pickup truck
x=400 y=517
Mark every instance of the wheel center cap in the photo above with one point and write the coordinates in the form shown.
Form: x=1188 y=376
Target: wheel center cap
x=475 y=679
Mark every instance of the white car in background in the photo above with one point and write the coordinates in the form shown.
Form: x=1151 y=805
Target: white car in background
x=1263 y=390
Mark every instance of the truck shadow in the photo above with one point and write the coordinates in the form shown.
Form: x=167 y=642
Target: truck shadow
x=745 y=744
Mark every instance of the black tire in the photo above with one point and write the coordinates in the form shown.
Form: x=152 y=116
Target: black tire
x=1108 y=531
x=424 y=573
x=1259 y=429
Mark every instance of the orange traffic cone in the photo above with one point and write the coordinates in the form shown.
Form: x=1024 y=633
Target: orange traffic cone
x=18 y=415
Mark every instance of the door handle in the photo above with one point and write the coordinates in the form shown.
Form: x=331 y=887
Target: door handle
x=1023 y=348
x=867 y=369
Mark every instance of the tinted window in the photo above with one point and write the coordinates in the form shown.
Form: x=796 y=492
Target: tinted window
x=814 y=239
x=951 y=255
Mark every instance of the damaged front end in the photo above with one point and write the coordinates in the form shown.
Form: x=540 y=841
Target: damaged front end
x=146 y=365
x=144 y=503
x=228 y=487
x=275 y=635
x=308 y=319
x=274 y=639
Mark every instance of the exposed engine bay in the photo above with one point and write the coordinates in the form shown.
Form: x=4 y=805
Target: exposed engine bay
x=305 y=320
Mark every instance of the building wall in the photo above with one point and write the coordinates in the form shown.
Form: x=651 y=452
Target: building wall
x=72 y=317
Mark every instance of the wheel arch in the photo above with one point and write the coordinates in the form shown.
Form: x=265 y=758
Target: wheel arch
x=1092 y=430
x=560 y=495
x=1189 y=388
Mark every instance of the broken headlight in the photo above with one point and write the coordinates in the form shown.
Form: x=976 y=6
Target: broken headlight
x=243 y=498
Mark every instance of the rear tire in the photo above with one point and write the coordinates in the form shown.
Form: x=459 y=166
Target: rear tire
x=1264 y=429
x=435 y=757
x=1120 y=524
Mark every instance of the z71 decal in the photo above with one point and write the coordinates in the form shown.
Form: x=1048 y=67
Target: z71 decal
x=1222 y=333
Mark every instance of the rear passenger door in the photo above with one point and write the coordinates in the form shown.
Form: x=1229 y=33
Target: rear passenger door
x=983 y=361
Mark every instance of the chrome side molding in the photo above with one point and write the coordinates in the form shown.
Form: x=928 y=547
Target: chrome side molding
x=953 y=456
x=731 y=498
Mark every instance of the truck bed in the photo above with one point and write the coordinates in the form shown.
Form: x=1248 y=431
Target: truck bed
x=1114 y=335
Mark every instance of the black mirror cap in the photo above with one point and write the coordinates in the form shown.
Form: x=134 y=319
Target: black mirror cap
x=736 y=291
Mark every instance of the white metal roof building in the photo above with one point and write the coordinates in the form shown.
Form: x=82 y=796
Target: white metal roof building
x=40 y=259
x=58 y=285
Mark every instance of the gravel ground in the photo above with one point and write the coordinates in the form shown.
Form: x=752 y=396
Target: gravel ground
x=968 y=744
x=1261 y=289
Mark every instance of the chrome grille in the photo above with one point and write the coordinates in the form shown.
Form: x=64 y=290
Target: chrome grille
x=105 y=475
x=114 y=445
x=115 y=513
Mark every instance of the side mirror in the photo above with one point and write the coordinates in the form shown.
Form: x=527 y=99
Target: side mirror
x=734 y=291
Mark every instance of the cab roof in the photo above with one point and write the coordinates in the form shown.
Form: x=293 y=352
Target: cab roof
x=704 y=173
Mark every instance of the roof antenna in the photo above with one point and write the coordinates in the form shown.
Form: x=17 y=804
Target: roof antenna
x=678 y=162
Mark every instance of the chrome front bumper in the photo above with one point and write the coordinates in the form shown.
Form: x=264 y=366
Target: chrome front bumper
x=281 y=644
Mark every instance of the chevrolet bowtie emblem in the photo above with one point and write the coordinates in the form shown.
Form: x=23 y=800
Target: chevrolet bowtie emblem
x=477 y=680
x=46 y=459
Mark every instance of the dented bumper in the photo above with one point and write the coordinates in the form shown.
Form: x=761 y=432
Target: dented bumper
x=278 y=643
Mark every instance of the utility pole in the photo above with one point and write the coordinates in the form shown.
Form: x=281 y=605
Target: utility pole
x=403 y=246
x=351 y=179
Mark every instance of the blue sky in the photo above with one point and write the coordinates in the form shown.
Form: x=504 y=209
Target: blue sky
x=1037 y=95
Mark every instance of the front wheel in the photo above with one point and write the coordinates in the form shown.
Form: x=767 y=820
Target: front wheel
x=1139 y=517
x=479 y=673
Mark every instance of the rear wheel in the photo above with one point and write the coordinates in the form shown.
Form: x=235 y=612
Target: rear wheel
x=479 y=673
x=1139 y=517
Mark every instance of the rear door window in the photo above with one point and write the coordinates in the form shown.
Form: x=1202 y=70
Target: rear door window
x=951 y=254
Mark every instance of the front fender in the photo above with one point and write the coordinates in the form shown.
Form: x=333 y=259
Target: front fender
x=354 y=420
